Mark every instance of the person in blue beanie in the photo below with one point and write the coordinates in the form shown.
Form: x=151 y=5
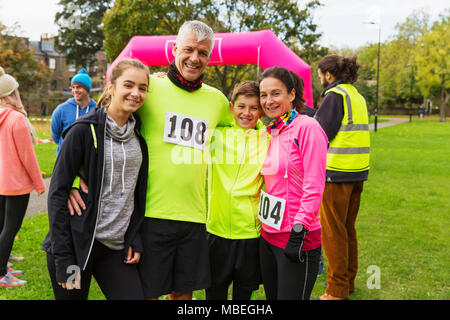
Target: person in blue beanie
x=66 y=113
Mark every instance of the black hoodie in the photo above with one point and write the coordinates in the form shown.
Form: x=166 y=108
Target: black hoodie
x=70 y=238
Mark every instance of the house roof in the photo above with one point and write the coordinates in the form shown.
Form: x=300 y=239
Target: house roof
x=44 y=48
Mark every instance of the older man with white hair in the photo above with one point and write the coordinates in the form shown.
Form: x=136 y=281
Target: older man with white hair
x=180 y=115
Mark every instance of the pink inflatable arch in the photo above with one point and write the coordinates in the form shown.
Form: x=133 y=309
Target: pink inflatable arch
x=255 y=47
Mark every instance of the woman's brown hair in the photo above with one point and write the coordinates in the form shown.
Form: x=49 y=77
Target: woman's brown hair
x=345 y=69
x=116 y=72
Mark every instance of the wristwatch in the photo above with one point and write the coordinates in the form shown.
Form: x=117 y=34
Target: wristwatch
x=298 y=228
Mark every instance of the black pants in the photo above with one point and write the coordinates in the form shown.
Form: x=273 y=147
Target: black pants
x=286 y=280
x=233 y=260
x=176 y=257
x=117 y=280
x=12 y=212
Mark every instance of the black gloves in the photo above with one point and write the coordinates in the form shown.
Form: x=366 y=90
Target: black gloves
x=294 y=246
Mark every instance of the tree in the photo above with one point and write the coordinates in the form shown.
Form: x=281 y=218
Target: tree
x=80 y=33
x=18 y=60
x=398 y=67
x=432 y=60
x=128 y=18
x=291 y=23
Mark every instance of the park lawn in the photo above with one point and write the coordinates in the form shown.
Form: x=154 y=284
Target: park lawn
x=46 y=155
x=403 y=226
x=45 y=152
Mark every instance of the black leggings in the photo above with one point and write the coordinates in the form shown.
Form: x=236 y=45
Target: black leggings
x=116 y=279
x=286 y=280
x=12 y=212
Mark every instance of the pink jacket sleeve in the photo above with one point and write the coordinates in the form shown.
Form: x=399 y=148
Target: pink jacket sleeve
x=313 y=147
x=25 y=150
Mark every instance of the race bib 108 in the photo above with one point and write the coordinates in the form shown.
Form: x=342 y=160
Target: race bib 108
x=185 y=130
x=271 y=210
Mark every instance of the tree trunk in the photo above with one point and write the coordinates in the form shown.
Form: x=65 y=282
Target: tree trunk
x=444 y=100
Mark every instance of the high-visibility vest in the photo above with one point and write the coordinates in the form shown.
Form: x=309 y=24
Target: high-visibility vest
x=349 y=151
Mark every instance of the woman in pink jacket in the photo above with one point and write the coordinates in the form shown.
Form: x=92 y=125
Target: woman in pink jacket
x=19 y=173
x=294 y=173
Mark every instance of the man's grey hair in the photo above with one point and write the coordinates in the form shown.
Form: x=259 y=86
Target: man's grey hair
x=200 y=29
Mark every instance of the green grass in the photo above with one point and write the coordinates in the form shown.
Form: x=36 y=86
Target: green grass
x=46 y=155
x=45 y=152
x=403 y=224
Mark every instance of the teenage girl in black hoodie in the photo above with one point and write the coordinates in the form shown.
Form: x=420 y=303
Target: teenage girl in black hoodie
x=105 y=149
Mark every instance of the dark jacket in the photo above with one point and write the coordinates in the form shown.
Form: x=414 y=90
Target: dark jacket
x=70 y=238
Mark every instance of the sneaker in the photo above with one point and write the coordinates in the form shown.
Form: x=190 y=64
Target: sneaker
x=15 y=273
x=15 y=259
x=9 y=265
x=10 y=281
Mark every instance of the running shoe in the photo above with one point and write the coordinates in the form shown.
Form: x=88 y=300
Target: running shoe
x=9 y=281
x=15 y=259
x=15 y=273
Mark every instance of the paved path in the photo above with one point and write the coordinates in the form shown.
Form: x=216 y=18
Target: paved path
x=39 y=204
x=391 y=122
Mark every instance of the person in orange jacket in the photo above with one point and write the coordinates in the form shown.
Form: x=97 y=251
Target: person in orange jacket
x=19 y=173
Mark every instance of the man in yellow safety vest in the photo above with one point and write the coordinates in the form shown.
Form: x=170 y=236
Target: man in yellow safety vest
x=343 y=116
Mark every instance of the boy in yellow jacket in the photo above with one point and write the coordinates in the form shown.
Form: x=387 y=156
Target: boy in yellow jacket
x=234 y=185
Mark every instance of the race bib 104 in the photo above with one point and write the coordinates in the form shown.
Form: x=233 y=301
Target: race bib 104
x=185 y=130
x=271 y=210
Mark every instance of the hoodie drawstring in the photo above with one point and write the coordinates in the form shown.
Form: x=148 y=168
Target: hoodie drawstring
x=78 y=107
x=112 y=166
x=123 y=168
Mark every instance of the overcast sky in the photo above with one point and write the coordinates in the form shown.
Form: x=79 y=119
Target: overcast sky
x=340 y=21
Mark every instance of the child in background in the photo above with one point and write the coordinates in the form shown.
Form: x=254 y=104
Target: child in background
x=234 y=185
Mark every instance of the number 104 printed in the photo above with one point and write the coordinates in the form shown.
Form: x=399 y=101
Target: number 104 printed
x=271 y=210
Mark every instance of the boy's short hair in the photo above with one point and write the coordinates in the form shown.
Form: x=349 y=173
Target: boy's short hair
x=246 y=88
